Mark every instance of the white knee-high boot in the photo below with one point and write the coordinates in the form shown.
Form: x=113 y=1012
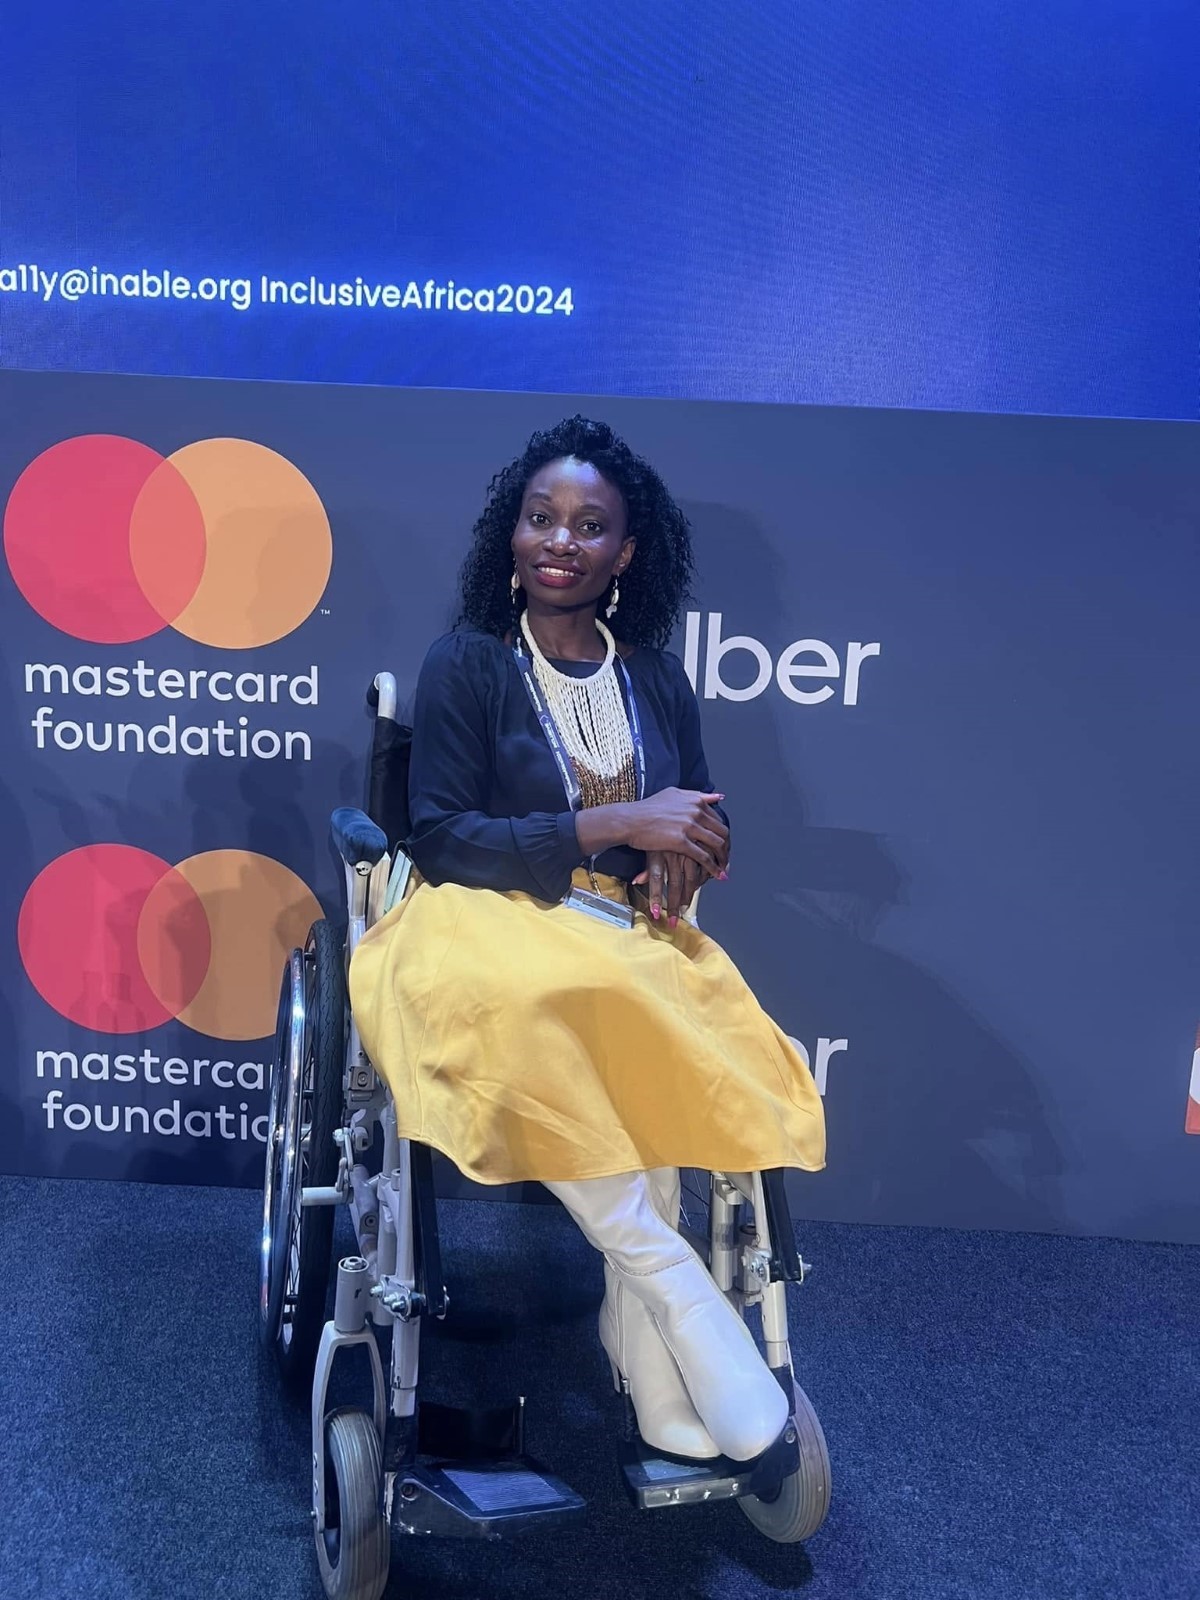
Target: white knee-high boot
x=734 y=1393
x=666 y=1417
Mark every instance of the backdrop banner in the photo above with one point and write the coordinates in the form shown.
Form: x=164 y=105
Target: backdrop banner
x=948 y=673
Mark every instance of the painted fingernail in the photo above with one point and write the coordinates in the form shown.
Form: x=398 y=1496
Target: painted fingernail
x=654 y=910
x=722 y=876
x=673 y=923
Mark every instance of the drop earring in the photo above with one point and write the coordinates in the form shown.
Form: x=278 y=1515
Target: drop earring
x=514 y=596
x=616 y=595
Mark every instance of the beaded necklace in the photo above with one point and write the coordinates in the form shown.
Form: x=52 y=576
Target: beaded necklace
x=591 y=720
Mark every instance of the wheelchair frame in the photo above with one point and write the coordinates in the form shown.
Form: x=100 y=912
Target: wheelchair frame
x=395 y=1281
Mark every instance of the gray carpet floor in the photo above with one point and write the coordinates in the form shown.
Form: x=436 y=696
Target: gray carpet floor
x=1010 y=1417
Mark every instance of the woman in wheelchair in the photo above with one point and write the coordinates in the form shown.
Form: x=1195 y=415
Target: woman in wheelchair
x=540 y=1003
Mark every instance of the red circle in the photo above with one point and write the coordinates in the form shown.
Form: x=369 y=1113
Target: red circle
x=80 y=927
x=67 y=535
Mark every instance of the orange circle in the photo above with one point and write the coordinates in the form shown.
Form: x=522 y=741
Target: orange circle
x=269 y=549
x=257 y=912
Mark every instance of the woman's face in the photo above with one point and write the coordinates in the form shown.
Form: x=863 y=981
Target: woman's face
x=570 y=539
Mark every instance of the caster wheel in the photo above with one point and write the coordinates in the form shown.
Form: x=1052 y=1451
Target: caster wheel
x=802 y=1504
x=354 y=1549
x=305 y=1109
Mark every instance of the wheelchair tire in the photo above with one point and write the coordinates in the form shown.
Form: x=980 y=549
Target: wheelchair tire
x=305 y=1110
x=354 y=1549
x=802 y=1504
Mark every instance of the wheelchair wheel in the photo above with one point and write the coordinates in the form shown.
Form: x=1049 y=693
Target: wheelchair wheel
x=305 y=1109
x=802 y=1504
x=354 y=1549
x=695 y=1198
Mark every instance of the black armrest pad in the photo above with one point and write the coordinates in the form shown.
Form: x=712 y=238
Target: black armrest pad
x=357 y=838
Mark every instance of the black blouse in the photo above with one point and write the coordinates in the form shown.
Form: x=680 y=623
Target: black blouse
x=487 y=802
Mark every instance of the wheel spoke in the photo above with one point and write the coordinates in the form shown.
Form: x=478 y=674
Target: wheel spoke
x=292 y=1287
x=694 y=1198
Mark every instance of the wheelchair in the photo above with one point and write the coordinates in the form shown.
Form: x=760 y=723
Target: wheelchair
x=409 y=1465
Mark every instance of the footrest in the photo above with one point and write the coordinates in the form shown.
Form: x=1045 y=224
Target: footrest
x=653 y=1480
x=481 y=1499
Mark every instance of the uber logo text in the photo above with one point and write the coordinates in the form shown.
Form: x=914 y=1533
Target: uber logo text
x=788 y=672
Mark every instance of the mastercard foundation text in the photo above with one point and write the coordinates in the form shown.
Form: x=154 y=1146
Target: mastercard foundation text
x=164 y=732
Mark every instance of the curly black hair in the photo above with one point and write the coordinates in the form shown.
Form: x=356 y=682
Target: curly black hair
x=656 y=585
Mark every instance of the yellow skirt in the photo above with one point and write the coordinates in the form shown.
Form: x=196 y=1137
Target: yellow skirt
x=529 y=1041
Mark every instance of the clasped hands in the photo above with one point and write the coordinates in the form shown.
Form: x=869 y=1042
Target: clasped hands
x=685 y=841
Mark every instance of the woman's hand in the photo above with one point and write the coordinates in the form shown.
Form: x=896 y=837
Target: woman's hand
x=671 y=883
x=681 y=822
x=677 y=822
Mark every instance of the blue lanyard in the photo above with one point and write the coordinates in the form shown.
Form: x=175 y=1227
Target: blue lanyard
x=558 y=750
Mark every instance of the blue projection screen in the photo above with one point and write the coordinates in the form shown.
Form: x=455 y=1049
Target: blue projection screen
x=984 y=207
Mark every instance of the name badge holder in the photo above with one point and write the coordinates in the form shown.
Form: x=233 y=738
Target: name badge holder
x=591 y=904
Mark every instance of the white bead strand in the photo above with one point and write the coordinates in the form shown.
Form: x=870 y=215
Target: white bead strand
x=588 y=712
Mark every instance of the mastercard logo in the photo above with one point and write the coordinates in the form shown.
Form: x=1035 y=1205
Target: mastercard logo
x=224 y=540
x=119 y=941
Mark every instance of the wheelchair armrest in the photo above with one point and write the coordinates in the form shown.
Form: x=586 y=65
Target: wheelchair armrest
x=357 y=838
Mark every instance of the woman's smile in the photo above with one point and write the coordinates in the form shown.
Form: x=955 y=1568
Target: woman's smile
x=557 y=575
